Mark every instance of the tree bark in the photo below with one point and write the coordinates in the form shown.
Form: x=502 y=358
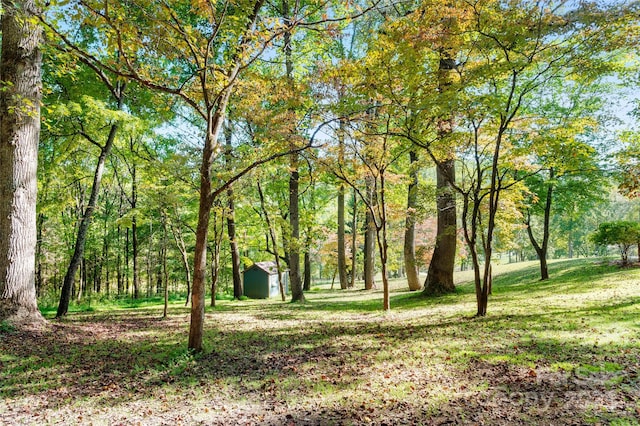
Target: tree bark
x=20 y=67
x=354 y=241
x=177 y=236
x=440 y=275
x=215 y=117
x=295 y=280
x=369 y=238
x=218 y=232
x=410 y=263
x=165 y=274
x=238 y=291
x=342 y=253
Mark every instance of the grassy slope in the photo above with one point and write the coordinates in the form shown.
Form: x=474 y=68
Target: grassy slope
x=566 y=351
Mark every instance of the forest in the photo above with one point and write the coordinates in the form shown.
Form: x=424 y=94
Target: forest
x=375 y=151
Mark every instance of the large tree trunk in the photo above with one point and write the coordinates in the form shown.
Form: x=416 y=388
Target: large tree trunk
x=81 y=237
x=410 y=263
x=440 y=275
x=295 y=279
x=19 y=132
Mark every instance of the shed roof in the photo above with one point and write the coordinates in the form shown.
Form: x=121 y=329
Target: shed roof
x=268 y=267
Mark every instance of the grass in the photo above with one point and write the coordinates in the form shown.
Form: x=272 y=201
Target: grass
x=563 y=351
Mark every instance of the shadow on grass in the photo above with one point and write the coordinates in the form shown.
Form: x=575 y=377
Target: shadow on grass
x=125 y=355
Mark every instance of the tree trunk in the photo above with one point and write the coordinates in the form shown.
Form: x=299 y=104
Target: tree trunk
x=215 y=116
x=119 y=274
x=297 y=293
x=218 y=232
x=40 y=225
x=541 y=249
x=369 y=238
x=354 y=241
x=134 y=256
x=81 y=237
x=410 y=263
x=342 y=254
x=20 y=96
x=307 y=270
x=381 y=236
x=238 y=291
x=440 y=275
x=165 y=274
x=177 y=236
x=272 y=235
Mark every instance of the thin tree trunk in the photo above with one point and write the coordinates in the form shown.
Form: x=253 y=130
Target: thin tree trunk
x=105 y=257
x=342 y=254
x=238 y=291
x=165 y=274
x=150 y=261
x=215 y=272
x=272 y=234
x=410 y=263
x=134 y=257
x=119 y=274
x=541 y=249
x=369 y=238
x=381 y=236
x=81 y=237
x=354 y=241
x=218 y=232
x=177 y=236
x=39 y=224
x=307 y=270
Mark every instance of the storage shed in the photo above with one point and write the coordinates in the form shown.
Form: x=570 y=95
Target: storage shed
x=261 y=280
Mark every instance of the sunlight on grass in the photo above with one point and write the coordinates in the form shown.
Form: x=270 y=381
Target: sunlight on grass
x=567 y=347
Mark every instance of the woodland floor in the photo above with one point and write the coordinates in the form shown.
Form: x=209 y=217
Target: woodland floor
x=565 y=351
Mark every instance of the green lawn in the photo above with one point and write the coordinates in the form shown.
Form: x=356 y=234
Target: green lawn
x=565 y=351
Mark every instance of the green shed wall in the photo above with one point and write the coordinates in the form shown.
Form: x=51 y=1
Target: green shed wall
x=256 y=283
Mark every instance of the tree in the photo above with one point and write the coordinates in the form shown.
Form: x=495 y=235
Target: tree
x=561 y=121
x=623 y=234
x=410 y=262
x=20 y=95
x=117 y=90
